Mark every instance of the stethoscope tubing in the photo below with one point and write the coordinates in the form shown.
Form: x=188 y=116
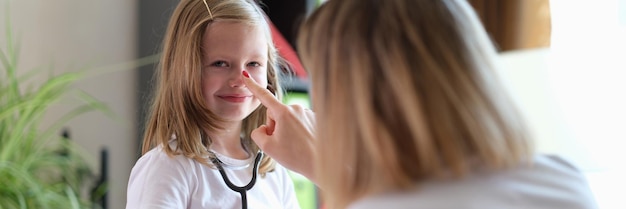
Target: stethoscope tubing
x=241 y=190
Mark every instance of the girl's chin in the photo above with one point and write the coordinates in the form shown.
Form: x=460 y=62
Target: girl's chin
x=233 y=118
x=238 y=117
x=235 y=114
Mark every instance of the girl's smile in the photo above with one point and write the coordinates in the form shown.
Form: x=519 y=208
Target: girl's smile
x=235 y=98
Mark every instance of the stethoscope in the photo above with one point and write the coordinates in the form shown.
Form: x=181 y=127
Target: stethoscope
x=242 y=190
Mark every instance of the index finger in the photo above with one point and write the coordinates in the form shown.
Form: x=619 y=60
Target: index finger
x=265 y=96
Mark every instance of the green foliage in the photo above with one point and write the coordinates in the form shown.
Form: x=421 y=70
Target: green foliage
x=38 y=169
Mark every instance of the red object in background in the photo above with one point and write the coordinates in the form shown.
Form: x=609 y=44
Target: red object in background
x=286 y=51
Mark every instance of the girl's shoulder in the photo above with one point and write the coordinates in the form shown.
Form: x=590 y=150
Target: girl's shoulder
x=158 y=162
x=159 y=180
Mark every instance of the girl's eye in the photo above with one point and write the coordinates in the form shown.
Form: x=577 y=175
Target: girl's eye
x=219 y=64
x=254 y=64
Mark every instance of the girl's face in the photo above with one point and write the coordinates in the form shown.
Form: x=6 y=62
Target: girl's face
x=229 y=48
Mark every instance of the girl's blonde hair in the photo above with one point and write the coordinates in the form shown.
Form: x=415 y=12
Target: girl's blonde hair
x=404 y=91
x=179 y=108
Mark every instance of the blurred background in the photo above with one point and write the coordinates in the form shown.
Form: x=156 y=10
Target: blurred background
x=564 y=63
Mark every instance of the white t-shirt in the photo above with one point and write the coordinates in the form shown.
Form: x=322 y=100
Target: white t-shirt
x=551 y=183
x=159 y=181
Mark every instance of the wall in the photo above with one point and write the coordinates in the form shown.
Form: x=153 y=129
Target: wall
x=573 y=92
x=69 y=35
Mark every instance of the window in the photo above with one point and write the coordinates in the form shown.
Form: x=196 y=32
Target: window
x=588 y=78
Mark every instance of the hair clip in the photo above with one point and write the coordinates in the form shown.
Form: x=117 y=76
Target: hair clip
x=208 y=9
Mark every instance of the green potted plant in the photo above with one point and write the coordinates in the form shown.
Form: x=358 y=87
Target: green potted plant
x=38 y=167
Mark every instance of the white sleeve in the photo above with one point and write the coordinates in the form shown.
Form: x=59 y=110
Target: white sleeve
x=565 y=178
x=289 y=195
x=159 y=181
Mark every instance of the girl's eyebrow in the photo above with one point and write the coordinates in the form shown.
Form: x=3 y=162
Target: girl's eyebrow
x=253 y=58
x=219 y=55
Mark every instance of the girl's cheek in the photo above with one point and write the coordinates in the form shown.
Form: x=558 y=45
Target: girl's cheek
x=260 y=77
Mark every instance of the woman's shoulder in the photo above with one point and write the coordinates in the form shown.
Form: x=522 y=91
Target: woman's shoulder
x=552 y=170
x=554 y=163
x=561 y=172
x=551 y=179
x=549 y=182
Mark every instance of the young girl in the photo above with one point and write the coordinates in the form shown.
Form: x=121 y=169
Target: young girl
x=197 y=151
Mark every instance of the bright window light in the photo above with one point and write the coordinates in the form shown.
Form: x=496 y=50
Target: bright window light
x=588 y=79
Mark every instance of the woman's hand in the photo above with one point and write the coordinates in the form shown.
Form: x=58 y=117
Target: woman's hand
x=288 y=134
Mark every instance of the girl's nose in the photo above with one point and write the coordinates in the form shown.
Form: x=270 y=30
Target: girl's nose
x=236 y=79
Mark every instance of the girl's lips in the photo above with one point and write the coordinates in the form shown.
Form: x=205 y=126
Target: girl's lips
x=234 y=99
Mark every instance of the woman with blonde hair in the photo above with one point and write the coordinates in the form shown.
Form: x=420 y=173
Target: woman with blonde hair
x=197 y=151
x=409 y=114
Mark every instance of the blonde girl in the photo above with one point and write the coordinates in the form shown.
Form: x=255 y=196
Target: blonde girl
x=197 y=138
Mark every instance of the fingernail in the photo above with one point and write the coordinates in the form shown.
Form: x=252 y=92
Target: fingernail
x=245 y=73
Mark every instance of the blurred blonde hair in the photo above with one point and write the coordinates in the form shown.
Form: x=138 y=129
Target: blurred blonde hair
x=405 y=91
x=179 y=108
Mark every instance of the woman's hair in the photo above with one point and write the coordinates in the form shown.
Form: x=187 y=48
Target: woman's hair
x=405 y=91
x=179 y=108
